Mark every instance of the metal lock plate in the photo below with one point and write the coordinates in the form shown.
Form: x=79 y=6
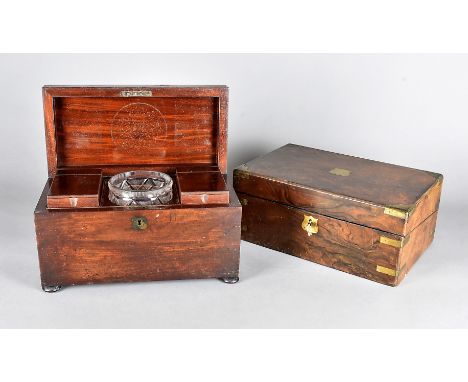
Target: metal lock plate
x=139 y=223
x=310 y=224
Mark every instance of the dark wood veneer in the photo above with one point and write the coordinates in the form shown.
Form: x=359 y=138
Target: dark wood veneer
x=374 y=219
x=75 y=189
x=202 y=188
x=85 y=246
x=97 y=126
x=302 y=177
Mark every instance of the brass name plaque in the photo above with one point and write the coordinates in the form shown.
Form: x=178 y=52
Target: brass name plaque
x=340 y=172
x=136 y=93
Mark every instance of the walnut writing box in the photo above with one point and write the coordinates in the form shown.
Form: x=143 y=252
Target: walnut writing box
x=367 y=218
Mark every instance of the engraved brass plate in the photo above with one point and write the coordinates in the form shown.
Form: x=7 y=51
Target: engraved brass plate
x=395 y=212
x=310 y=224
x=340 y=172
x=392 y=242
x=387 y=271
x=139 y=223
x=136 y=93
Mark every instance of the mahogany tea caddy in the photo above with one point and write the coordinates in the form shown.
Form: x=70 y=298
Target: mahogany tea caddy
x=96 y=132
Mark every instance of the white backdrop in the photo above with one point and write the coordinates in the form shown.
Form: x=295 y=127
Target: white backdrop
x=403 y=109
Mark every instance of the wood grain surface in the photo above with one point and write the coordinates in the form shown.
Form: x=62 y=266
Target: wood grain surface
x=98 y=127
x=419 y=240
x=338 y=244
x=348 y=188
x=75 y=190
x=107 y=130
x=82 y=246
x=202 y=188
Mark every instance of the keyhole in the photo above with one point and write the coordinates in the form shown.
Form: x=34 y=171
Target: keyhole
x=139 y=223
x=310 y=222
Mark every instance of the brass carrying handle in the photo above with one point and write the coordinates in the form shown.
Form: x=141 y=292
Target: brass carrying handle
x=310 y=224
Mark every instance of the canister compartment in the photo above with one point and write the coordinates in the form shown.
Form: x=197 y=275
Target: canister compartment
x=198 y=188
x=88 y=188
x=75 y=188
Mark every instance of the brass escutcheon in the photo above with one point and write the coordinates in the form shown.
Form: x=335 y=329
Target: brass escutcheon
x=310 y=224
x=139 y=223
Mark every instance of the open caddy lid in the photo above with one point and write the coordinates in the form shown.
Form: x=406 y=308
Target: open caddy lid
x=121 y=127
x=379 y=195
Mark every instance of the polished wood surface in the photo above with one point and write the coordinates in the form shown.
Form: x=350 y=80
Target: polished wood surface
x=75 y=188
x=202 y=188
x=425 y=206
x=88 y=188
x=338 y=244
x=168 y=169
x=99 y=127
x=348 y=188
x=374 y=219
x=419 y=240
x=83 y=246
x=107 y=130
x=75 y=185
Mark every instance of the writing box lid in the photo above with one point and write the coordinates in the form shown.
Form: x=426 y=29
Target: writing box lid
x=122 y=126
x=387 y=197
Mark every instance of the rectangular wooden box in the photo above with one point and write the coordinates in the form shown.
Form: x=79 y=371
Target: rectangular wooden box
x=367 y=218
x=93 y=133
